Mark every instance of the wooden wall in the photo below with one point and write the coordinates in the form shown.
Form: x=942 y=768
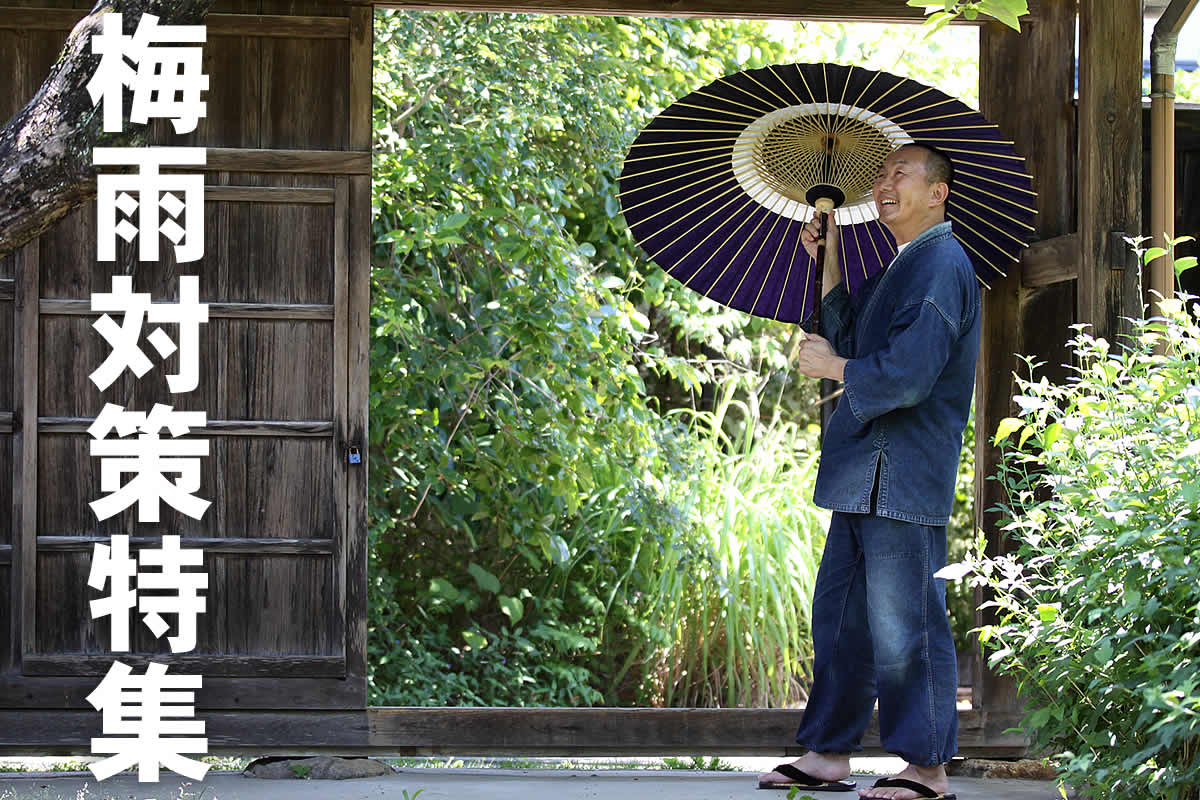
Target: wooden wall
x=283 y=376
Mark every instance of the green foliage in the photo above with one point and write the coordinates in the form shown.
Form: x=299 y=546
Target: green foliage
x=1099 y=607
x=942 y=12
x=739 y=618
x=528 y=499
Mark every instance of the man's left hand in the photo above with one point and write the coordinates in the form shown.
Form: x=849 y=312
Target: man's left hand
x=815 y=358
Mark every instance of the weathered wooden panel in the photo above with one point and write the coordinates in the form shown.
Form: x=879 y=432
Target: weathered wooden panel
x=6 y=496
x=269 y=253
x=6 y=597
x=32 y=54
x=277 y=488
x=248 y=247
x=273 y=606
x=258 y=606
x=307 y=96
x=260 y=487
x=239 y=362
x=234 y=95
x=7 y=377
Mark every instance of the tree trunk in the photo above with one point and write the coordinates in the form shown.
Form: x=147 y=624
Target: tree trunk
x=46 y=149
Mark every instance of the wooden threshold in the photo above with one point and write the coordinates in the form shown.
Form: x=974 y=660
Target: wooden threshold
x=493 y=732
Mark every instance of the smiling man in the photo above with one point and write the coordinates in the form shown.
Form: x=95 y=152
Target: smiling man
x=905 y=347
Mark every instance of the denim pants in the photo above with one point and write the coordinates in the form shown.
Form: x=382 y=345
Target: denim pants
x=880 y=630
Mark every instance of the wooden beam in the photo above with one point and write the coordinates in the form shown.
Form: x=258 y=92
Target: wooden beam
x=8 y=289
x=91 y=664
x=259 y=311
x=1110 y=161
x=227 y=544
x=300 y=428
x=1050 y=261
x=268 y=194
x=493 y=731
x=313 y=162
x=832 y=10
x=6 y=422
x=1032 y=106
x=271 y=26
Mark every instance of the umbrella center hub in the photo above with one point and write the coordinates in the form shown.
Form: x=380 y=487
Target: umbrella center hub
x=800 y=152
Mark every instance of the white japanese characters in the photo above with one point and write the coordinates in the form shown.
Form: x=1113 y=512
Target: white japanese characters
x=154 y=198
x=189 y=313
x=141 y=710
x=113 y=567
x=167 y=81
x=149 y=458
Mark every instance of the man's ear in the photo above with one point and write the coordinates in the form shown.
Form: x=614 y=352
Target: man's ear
x=938 y=194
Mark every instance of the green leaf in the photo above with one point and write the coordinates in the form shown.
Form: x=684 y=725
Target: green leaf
x=1048 y=612
x=1006 y=428
x=559 y=552
x=1053 y=431
x=477 y=641
x=1026 y=432
x=484 y=579
x=513 y=608
x=1184 y=264
x=444 y=588
x=1153 y=253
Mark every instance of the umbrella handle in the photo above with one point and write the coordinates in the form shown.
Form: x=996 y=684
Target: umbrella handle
x=825 y=206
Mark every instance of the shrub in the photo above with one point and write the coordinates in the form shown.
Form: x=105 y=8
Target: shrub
x=1099 y=608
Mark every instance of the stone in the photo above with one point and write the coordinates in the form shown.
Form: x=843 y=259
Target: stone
x=316 y=768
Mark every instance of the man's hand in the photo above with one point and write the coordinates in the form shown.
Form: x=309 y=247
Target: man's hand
x=815 y=358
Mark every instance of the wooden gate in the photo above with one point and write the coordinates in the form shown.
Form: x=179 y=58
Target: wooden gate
x=283 y=379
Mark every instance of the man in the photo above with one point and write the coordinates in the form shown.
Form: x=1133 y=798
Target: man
x=905 y=348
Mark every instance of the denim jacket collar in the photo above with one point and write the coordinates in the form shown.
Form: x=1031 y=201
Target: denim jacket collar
x=932 y=234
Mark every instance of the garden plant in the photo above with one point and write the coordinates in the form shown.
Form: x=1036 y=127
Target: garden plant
x=1098 y=608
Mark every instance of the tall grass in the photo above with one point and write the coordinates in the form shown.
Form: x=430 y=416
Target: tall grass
x=739 y=617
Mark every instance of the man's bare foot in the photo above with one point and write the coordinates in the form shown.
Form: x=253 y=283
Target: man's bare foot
x=826 y=766
x=934 y=777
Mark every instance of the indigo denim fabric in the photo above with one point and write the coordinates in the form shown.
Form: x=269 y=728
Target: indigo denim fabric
x=880 y=630
x=911 y=333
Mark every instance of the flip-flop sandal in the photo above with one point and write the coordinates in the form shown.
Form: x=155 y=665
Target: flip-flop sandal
x=904 y=783
x=805 y=781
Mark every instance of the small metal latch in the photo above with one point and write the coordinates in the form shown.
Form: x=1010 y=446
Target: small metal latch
x=353 y=456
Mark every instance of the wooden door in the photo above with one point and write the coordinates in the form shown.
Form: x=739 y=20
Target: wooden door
x=283 y=380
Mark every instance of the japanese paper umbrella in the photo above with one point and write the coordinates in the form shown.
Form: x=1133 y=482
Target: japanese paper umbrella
x=717 y=188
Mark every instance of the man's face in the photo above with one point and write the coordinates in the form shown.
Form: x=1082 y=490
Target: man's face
x=902 y=190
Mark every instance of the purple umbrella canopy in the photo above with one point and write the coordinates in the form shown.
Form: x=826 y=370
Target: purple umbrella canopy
x=717 y=188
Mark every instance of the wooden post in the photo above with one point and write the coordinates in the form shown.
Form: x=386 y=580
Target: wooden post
x=1026 y=87
x=1110 y=162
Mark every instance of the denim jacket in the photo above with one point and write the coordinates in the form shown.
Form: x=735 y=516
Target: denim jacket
x=912 y=336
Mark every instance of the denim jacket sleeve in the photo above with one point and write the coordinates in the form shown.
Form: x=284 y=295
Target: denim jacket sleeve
x=904 y=372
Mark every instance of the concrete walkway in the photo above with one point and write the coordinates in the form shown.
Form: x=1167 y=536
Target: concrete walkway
x=464 y=784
